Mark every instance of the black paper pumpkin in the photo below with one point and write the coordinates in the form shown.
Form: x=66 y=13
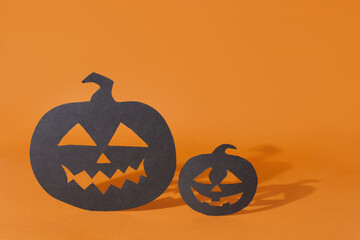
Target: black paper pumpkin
x=204 y=185
x=103 y=175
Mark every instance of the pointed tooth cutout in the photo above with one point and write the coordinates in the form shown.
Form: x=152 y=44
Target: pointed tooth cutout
x=69 y=175
x=77 y=136
x=124 y=136
x=103 y=159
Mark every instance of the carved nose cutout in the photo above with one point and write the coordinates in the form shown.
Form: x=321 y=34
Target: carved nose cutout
x=216 y=189
x=124 y=136
x=103 y=159
x=77 y=136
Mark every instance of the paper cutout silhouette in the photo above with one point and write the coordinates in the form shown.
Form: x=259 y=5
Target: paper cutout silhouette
x=96 y=175
x=218 y=183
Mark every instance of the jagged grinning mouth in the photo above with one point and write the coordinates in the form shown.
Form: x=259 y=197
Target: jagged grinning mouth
x=224 y=201
x=103 y=182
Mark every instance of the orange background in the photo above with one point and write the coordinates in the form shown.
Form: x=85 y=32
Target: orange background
x=277 y=79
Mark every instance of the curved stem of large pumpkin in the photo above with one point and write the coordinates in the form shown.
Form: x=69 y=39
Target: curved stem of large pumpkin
x=104 y=93
x=222 y=148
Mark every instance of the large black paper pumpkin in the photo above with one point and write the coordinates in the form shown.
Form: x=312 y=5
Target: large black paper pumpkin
x=218 y=183
x=105 y=175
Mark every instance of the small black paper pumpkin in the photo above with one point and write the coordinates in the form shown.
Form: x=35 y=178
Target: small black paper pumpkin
x=218 y=183
x=104 y=175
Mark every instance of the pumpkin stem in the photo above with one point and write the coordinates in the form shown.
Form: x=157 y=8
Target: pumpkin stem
x=106 y=84
x=222 y=148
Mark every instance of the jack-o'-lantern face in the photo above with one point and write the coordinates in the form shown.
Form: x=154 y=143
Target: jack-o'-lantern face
x=215 y=191
x=86 y=163
x=82 y=153
x=217 y=183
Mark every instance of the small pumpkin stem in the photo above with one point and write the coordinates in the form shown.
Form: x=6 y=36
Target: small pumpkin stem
x=104 y=93
x=222 y=148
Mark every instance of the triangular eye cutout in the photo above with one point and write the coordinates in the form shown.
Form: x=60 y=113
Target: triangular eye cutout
x=124 y=136
x=204 y=177
x=103 y=159
x=77 y=136
x=230 y=178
